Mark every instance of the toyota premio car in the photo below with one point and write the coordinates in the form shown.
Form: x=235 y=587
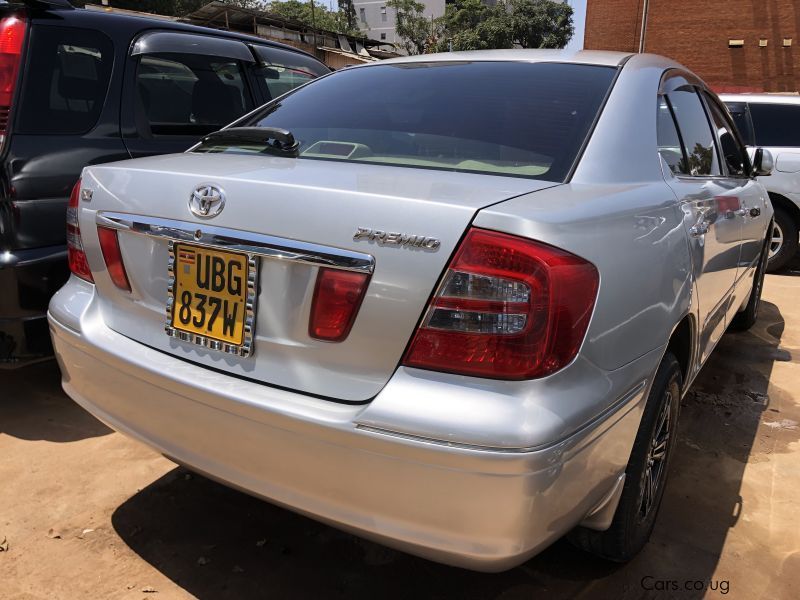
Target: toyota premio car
x=447 y=302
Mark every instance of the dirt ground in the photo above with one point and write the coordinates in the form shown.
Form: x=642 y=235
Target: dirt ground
x=88 y=513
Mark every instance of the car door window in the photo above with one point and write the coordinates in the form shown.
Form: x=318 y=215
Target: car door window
x=188 y=94
x=776 y=124
x=733 y=153
x=66 y=80
x=696 y=134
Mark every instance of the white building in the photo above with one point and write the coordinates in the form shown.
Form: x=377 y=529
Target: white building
x=377 y=20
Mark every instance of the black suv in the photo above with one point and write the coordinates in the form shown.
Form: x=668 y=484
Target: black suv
x=81 y=87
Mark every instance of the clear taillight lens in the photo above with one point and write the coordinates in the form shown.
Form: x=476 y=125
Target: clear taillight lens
x=337 y=298
x=507 y=308
x=75 y=254
x=109 y=244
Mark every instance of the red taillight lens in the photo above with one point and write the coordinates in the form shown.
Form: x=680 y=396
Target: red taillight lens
x=337 y=297
x=77 y=257
x=109 y=244
x=12 y=35
x=508 y=308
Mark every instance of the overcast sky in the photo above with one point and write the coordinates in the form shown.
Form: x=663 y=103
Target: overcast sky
x=580 y=20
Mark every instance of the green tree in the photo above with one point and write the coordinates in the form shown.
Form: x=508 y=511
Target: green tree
x=322 y=17
x=541 y=23
x=411 y=25
x=472 y=25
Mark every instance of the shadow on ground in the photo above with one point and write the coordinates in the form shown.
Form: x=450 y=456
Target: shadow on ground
x=34 y=407
x=218 y=543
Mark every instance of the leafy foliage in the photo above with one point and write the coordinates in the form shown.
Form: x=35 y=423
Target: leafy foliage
x=411 y=25
x=472 y=25
x=322 y=17
x=340 y=21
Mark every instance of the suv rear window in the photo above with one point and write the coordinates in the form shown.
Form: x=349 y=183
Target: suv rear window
x=776 y=124
x=504 y=118
x=66 y=80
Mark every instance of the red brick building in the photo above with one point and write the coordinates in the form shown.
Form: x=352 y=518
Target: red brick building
x=734 y=45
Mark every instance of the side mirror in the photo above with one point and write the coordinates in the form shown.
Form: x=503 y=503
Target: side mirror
x=763 y=162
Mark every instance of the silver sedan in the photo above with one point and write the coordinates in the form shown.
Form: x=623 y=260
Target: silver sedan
x=446 y=302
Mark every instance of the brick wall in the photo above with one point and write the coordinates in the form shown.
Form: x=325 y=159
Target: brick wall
x=696 y=33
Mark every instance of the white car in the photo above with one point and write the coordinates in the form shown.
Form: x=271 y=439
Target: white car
x=448 y=302
x=773 y=121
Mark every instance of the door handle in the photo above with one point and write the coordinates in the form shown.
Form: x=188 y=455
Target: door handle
x=752 y=212
x=700 y=228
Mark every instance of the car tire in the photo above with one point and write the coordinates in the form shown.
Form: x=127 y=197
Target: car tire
x=783 y=241
x=747 y=317
x=641 y=496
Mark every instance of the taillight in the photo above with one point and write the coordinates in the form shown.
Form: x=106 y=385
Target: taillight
x=507 y=308
x=337 y=297
x=12 y=35
x=75 y=254
x=109 y=244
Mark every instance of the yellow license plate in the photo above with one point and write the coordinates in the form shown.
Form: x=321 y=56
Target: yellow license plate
x=210 y=293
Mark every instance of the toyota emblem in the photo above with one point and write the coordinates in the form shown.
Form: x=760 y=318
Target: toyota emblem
x=206 y=201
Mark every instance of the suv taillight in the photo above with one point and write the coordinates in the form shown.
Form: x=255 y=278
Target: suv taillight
x=507 y=308
x=12 y=35
x=75 y=254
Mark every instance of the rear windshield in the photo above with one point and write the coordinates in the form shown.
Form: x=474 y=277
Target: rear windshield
x=504 y=118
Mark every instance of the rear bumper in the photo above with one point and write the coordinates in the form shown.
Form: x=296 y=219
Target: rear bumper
x=28 y=278
x=480 y=508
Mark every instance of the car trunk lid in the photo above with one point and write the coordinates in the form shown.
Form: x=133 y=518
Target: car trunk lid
x=406 y=222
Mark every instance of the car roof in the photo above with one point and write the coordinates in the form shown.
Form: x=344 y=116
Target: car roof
x=762 y=98
x=143 y=22
x=586 y=57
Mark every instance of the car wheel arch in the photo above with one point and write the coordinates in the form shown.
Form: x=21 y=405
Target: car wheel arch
x=781 y=201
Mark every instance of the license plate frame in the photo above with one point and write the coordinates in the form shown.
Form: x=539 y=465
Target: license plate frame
x=246 y=347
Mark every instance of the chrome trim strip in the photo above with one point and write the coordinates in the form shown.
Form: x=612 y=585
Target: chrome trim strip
x=256 y=244
x=245 y=349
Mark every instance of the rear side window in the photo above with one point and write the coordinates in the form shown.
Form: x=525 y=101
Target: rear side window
x=776 y=124
x=504 y=118
x=696 y=133
x=280 y=80
x=66 y=80
x=188 y=94
x=669 y=142
x=283 y=70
